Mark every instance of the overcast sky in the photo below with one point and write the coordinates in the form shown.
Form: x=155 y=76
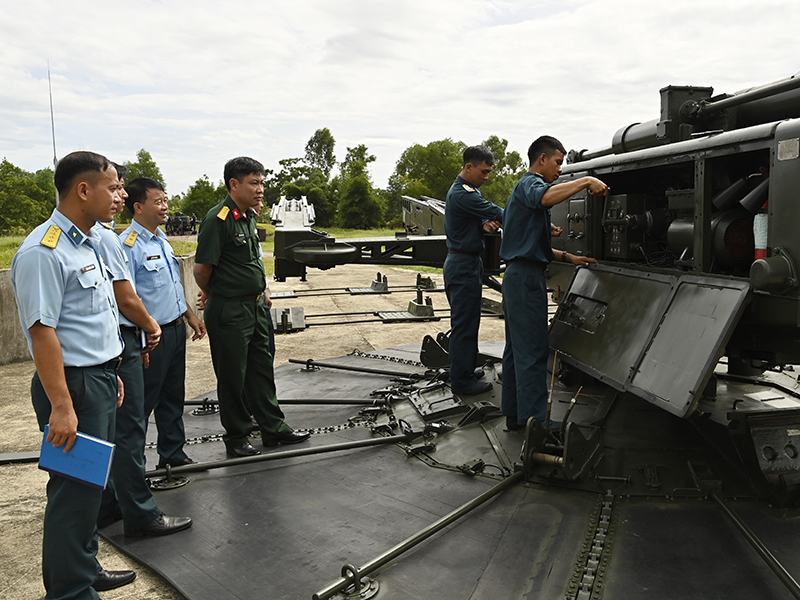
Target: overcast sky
x=196 y=82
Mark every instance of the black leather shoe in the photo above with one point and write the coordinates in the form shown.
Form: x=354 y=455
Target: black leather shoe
x=178 y=463
x=110 y=580
x=242 y=450
x=476 y=388
x=163 y=525
x=290 y=437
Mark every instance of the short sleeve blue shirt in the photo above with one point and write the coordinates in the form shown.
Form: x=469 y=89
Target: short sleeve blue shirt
x=111 y=250
x=60 y=280
x=526 y=229
x=464 y=215
x=155 y=271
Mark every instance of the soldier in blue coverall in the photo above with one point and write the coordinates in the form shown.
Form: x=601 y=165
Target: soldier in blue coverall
x=527 y=252
x=467 y=216
x=67 y=310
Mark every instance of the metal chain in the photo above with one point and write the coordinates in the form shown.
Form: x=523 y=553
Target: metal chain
x=588 y=579
x=401 y=361
x=358 y=421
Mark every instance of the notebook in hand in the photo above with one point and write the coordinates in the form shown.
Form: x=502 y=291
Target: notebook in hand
x=87 y=462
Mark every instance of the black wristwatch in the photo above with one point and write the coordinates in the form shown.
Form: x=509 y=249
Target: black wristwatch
x=563 y=257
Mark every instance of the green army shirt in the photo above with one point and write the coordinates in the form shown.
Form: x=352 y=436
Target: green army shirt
x=228 y=239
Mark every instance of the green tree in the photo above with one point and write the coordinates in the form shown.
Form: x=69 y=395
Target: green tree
x=432 y=168
x=26 y=199
x=324 y=208
x=144 y=166
x=201 y=197
x=357 y=162
x=359 y=207
x=423 y=171
x=508 y=168
x=319 y=152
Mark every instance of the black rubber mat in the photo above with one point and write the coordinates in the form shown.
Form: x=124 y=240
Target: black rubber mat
x=283 y=530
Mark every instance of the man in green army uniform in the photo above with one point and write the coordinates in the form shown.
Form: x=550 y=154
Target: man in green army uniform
x=230 y=274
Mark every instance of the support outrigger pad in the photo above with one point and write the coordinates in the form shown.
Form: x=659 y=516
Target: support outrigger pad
x=169 y=482
x=207 y=408
x=379 y=285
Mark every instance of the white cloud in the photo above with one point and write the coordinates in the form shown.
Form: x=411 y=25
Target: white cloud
x=196 y=83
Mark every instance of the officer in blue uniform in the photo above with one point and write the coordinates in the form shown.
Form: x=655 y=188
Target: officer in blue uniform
x=127 y=495
x=467 y=216
x=67 y=311
x=156 y=274
x=527 y=251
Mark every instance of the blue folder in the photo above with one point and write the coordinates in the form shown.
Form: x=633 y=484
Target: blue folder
x=87 y=462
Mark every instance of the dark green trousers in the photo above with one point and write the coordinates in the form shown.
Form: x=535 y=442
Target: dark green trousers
x=69 y=546
x=127 y=488
x=238 y=332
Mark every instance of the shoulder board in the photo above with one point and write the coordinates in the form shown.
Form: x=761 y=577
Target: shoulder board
x=468 y=188
x=50 y=238
x=107 y=226
x=131 y=239
x=223 y=213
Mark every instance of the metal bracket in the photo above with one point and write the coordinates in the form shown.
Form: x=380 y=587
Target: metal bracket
x=432 y=354
x=481 y=412
x=419 y=449
x=362 y=588
x=473 y=467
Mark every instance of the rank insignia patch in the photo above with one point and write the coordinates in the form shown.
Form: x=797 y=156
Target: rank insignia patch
x=223 y=213
x=131 y=239
x=236 y=214
x=50 y=238
x=468 y=188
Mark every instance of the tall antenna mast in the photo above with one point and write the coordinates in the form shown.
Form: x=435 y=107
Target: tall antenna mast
x=52 y=119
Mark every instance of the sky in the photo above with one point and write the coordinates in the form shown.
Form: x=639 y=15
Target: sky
x=197 y=82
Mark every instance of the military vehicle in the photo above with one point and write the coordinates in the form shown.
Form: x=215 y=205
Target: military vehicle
x=676 y=470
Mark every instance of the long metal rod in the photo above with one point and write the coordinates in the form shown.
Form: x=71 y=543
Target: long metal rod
x=317 y=363
x=388 y=556
x=303 y=401
x=762 y=550
x=246 y=460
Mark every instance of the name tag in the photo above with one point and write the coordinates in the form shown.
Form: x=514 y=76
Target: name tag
x=154 y=257
x=88 y=268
